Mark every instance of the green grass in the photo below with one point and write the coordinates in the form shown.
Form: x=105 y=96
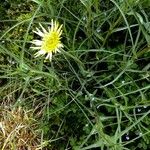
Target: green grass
x=95 y=94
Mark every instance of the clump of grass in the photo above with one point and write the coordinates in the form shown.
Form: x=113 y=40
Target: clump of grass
x=18 y=129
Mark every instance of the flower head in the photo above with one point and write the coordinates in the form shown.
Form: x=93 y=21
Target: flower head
x=50 y=40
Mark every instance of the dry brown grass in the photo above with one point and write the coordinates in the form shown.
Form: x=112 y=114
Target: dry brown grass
x=18 y=130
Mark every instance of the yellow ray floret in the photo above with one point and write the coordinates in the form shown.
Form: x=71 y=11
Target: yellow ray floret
x=50 y=42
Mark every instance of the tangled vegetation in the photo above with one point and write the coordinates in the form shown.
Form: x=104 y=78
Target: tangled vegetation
x=94 y=94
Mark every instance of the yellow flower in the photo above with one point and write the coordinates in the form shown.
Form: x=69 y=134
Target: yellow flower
x=50 y=42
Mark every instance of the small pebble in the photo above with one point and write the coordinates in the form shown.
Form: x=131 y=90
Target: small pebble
x=98 y=30
x=123 y=82
x=139 y=110
x=127 y=137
